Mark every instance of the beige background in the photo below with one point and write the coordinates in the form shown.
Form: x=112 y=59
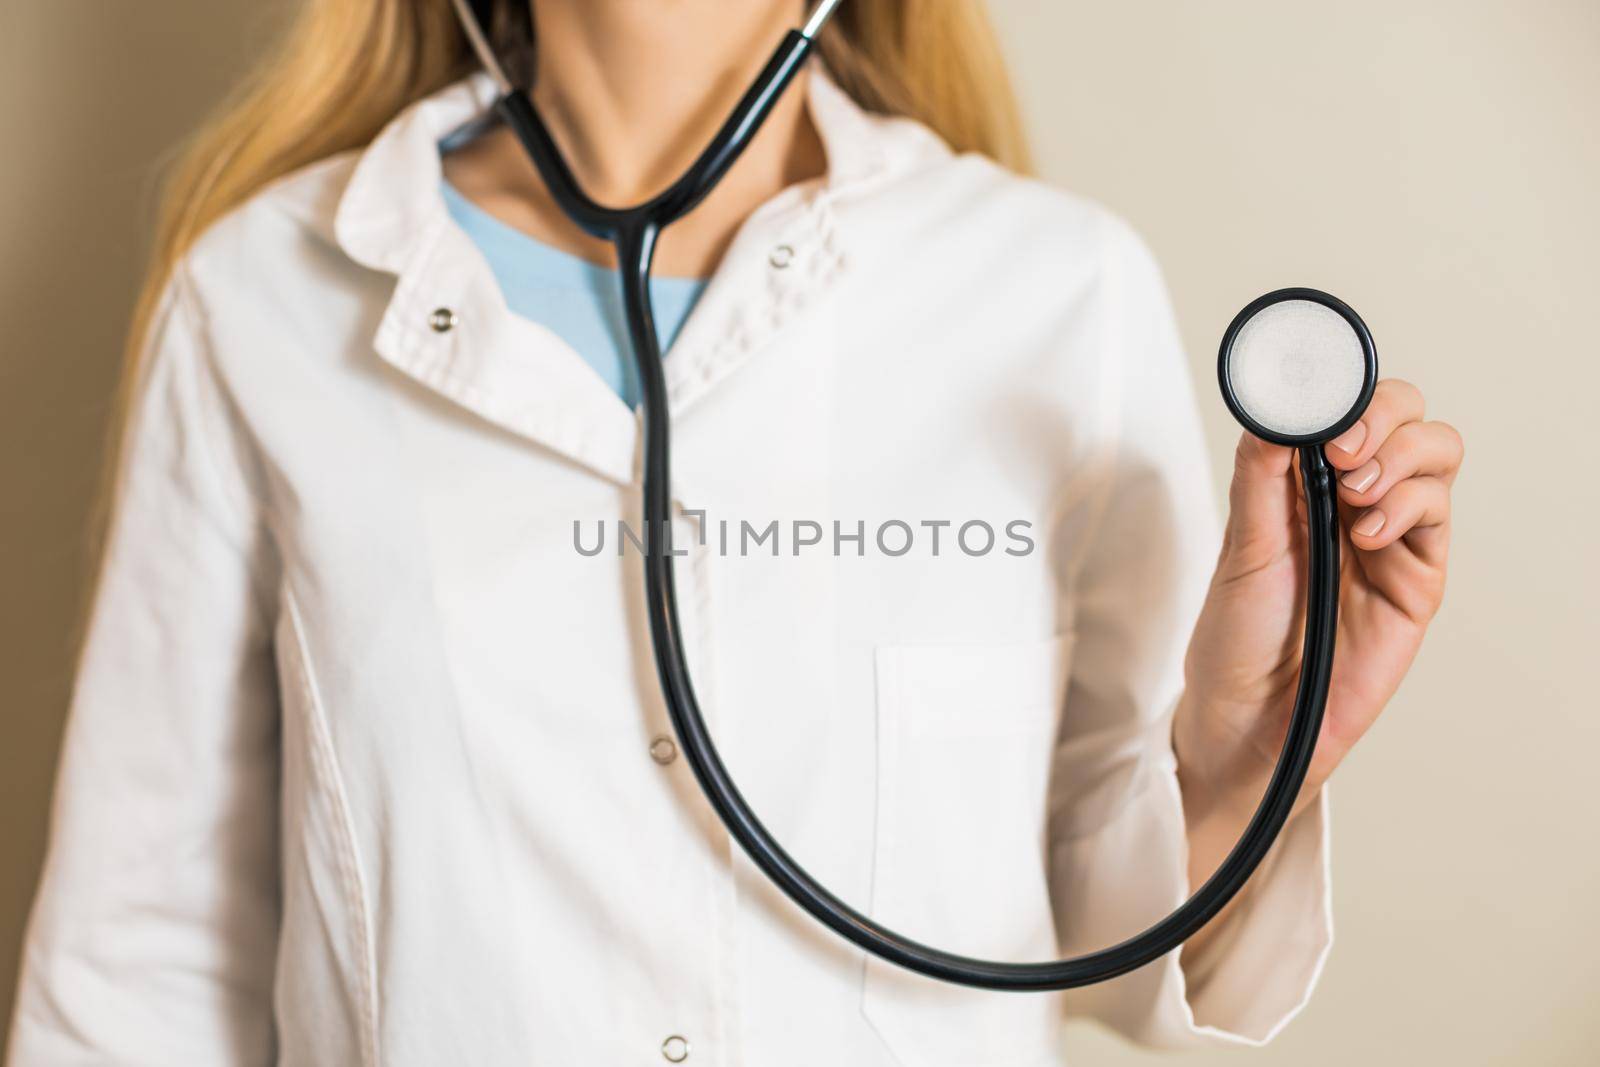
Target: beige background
x=1435 y=162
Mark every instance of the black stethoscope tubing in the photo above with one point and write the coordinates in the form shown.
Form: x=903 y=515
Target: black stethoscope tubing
x=633 y=232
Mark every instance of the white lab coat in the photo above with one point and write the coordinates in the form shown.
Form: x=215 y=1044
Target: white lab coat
x=359 y=762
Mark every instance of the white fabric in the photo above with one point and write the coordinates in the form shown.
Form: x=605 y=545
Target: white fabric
x=358 y=768
x=1297 y=367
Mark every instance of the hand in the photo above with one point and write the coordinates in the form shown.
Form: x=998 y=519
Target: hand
x=1394 y=475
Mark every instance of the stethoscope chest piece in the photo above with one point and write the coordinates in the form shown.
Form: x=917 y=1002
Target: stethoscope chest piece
x=1297 y=367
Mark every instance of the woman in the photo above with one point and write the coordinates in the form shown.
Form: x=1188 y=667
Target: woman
x=366 y=763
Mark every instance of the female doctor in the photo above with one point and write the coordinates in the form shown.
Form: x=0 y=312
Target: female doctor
x=366 y=763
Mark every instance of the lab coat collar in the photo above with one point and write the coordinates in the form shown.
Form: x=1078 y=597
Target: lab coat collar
x=448 y=327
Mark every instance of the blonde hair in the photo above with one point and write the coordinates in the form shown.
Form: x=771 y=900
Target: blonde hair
x=346 y=67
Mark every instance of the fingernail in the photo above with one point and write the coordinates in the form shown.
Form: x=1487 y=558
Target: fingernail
x=1361 y=479
x=1369 y=524
x=1349 y=441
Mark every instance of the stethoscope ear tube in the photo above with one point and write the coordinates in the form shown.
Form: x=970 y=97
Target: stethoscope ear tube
x=633 y=231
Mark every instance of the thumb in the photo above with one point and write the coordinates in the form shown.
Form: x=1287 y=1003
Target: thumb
x=1261 y=504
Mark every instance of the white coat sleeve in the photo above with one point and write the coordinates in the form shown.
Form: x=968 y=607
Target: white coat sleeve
x=152 y=936
x=1117 y=843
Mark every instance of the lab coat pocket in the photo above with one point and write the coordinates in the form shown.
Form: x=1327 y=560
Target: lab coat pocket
x=964 y=749
x=325 y=980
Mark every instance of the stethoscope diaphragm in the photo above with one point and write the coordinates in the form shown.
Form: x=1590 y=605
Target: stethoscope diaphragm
x=1297 y=366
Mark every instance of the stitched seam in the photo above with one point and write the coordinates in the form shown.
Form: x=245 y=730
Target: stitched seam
x=350 y=879
x=886 y=666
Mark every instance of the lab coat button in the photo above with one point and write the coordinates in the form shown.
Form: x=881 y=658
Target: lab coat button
x=443 y=320
x=781 y=256
x=664 y=750
x=675 y=1049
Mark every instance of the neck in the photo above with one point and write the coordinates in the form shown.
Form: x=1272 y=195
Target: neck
x=633 y=89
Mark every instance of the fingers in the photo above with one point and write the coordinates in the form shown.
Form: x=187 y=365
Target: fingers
x=1257 y=461
x=1428 y=449
x=1261 y=503
x=1396 y=472
x=1394 y=403
x=1418 y=507
x=1394 y=476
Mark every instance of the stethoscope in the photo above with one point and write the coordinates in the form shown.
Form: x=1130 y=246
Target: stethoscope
x=1297 y=367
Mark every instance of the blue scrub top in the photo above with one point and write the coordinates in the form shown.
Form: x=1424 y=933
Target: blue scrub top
x=578 y=300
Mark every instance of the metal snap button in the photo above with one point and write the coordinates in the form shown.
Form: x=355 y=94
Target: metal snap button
x=675 y=1049
x=781 y=256
x=443 y=320
x=663 y=750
